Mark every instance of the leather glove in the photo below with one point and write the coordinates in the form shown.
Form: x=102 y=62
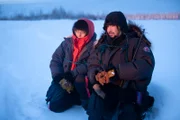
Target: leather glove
x=98 y=91
x=66 y=85
x=103 y=76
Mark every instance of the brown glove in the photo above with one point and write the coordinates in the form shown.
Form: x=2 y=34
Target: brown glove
x=103 y=77
x=66 y=85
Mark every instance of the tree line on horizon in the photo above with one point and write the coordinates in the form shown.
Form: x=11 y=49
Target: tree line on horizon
x=61 y=13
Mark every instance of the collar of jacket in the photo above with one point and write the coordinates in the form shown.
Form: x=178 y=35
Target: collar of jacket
x=115 y=41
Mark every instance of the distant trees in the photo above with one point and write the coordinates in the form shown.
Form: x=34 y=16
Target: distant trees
x=167 y=16
x=1 y=13
x=56 y=13
x=61 y=13
x=0 y=10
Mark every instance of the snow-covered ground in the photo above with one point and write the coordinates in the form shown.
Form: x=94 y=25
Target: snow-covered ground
x=25 y=52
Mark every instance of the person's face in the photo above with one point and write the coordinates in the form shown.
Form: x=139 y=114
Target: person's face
x=80 y=33
x=113 y=31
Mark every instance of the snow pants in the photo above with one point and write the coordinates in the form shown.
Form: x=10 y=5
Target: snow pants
x=60 y=100
x=117 y=108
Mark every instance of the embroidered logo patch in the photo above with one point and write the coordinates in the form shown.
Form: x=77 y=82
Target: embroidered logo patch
x=146 y=49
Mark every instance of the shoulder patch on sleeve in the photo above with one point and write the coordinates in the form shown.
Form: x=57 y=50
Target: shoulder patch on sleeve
x=146 y=49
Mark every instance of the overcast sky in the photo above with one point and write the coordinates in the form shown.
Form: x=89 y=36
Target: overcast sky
x=43 y=1
x=10 y=7
x=24 y=1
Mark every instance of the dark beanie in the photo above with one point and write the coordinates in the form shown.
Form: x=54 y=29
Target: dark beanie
x=116 y=18
x=81 y=25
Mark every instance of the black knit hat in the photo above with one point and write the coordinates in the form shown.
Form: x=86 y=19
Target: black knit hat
x=81 y=25
x=116 y=18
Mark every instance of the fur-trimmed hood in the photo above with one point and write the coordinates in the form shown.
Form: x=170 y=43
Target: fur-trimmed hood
x=137 y=31
x=134 y=31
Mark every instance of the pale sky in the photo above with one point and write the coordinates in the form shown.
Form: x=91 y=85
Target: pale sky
x=10 y=7
x=24 y=1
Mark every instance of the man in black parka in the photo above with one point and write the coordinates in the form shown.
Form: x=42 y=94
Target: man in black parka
x=120 y=69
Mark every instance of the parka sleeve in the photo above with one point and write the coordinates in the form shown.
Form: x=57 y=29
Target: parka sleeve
x=141 y=68
x=93 y=66
x=80 y=69
x=56 y=63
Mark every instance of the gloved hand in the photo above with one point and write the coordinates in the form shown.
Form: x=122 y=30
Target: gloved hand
x=98 y=91
x=103 y=76
x=66 y=85
x=58 y=77
x=66 y=82
x=68 y=76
